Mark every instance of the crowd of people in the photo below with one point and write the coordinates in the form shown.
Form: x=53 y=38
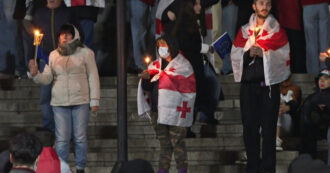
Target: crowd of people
x=271 y=40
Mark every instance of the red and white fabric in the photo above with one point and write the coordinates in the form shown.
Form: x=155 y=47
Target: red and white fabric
x=176 y=92
x=49 y=162
x=274 y=43
x=209 y=35
x=162 y=5
x=94 y=3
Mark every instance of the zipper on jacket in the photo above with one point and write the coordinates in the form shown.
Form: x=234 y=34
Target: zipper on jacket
x=52 y=27
x=67 y=78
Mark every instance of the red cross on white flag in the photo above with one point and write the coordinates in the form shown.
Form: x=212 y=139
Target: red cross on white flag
x=184 y=109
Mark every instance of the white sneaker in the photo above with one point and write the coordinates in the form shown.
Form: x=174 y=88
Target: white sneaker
x=279 y=144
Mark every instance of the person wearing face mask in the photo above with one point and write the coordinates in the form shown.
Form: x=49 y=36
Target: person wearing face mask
x=260 y=60
x=75 y=92
x=170 y=82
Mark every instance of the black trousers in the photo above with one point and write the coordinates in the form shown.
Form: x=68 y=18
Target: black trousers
x=259 y=109
x=297 y=50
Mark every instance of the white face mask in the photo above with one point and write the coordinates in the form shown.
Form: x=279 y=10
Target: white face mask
x=163 y=52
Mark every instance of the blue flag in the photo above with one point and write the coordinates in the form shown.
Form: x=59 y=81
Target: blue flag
x=223 y=45
x=42 y=55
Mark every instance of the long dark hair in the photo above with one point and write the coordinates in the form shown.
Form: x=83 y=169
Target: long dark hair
x=187 y=19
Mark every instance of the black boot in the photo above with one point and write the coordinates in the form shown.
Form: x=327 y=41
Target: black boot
x=80 y=171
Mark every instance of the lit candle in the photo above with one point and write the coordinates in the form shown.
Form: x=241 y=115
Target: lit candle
x=36 y=42
x=328 y=51
x=147 y=60
x=256 y=32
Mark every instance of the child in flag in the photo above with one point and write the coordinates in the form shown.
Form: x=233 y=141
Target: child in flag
x=171 y=83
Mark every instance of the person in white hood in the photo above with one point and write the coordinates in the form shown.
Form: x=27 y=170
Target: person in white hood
x=75 y=92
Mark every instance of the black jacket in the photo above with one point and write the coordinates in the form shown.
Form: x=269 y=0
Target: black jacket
x=327 y=62
x=253 y=69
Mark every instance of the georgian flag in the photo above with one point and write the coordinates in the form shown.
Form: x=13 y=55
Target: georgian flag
x=176 y=92
x=162 y=5
x=94 y=3
x=274 y=43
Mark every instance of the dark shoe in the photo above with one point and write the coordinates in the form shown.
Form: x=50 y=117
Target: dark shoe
x=183 y=170
x=80 y=171
x=161 y=170
x=190 y=134
x=134 y=70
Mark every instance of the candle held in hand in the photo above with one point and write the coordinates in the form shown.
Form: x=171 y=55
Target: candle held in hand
x=147 y=60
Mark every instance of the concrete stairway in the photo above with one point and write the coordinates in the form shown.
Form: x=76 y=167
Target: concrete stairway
x=215 y=149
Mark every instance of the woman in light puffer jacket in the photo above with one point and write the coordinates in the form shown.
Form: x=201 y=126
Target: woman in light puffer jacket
x=75 y=92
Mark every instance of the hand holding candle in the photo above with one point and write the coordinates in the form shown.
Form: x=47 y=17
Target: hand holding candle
x=325 y=55
x=36 y=42
x=255 y=50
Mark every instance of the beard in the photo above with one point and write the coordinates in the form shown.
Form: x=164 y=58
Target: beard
x=262 y=13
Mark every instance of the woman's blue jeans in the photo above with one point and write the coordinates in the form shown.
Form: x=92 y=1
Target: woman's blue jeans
x=72 y=120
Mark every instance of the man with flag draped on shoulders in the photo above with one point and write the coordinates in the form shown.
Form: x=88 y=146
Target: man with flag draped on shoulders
x=260 y=60
x=171 y=84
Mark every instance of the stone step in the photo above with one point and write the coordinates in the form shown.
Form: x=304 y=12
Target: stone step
x=17 y=119
x=106 y=104
x=230 y=88
x=134 y=131
x=194 y=144
x=28 y=93
x=194 y=169
x=109 y=104
x=195 y=158
x=133 y=79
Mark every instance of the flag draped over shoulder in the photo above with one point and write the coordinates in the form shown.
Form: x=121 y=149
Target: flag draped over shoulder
x=94 y=3
x=274 y=43
x=176 y=92
x=162 y=5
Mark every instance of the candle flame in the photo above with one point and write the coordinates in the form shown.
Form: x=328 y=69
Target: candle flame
x=147 y=59
x=256 y=30
x=328 y=51
x=37 y=32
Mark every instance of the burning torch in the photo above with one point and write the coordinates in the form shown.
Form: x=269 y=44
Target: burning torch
x=36 y=42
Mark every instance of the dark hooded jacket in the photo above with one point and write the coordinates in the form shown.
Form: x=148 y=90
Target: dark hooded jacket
x=43 y=20
x=311 y=106
x=152 y=87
